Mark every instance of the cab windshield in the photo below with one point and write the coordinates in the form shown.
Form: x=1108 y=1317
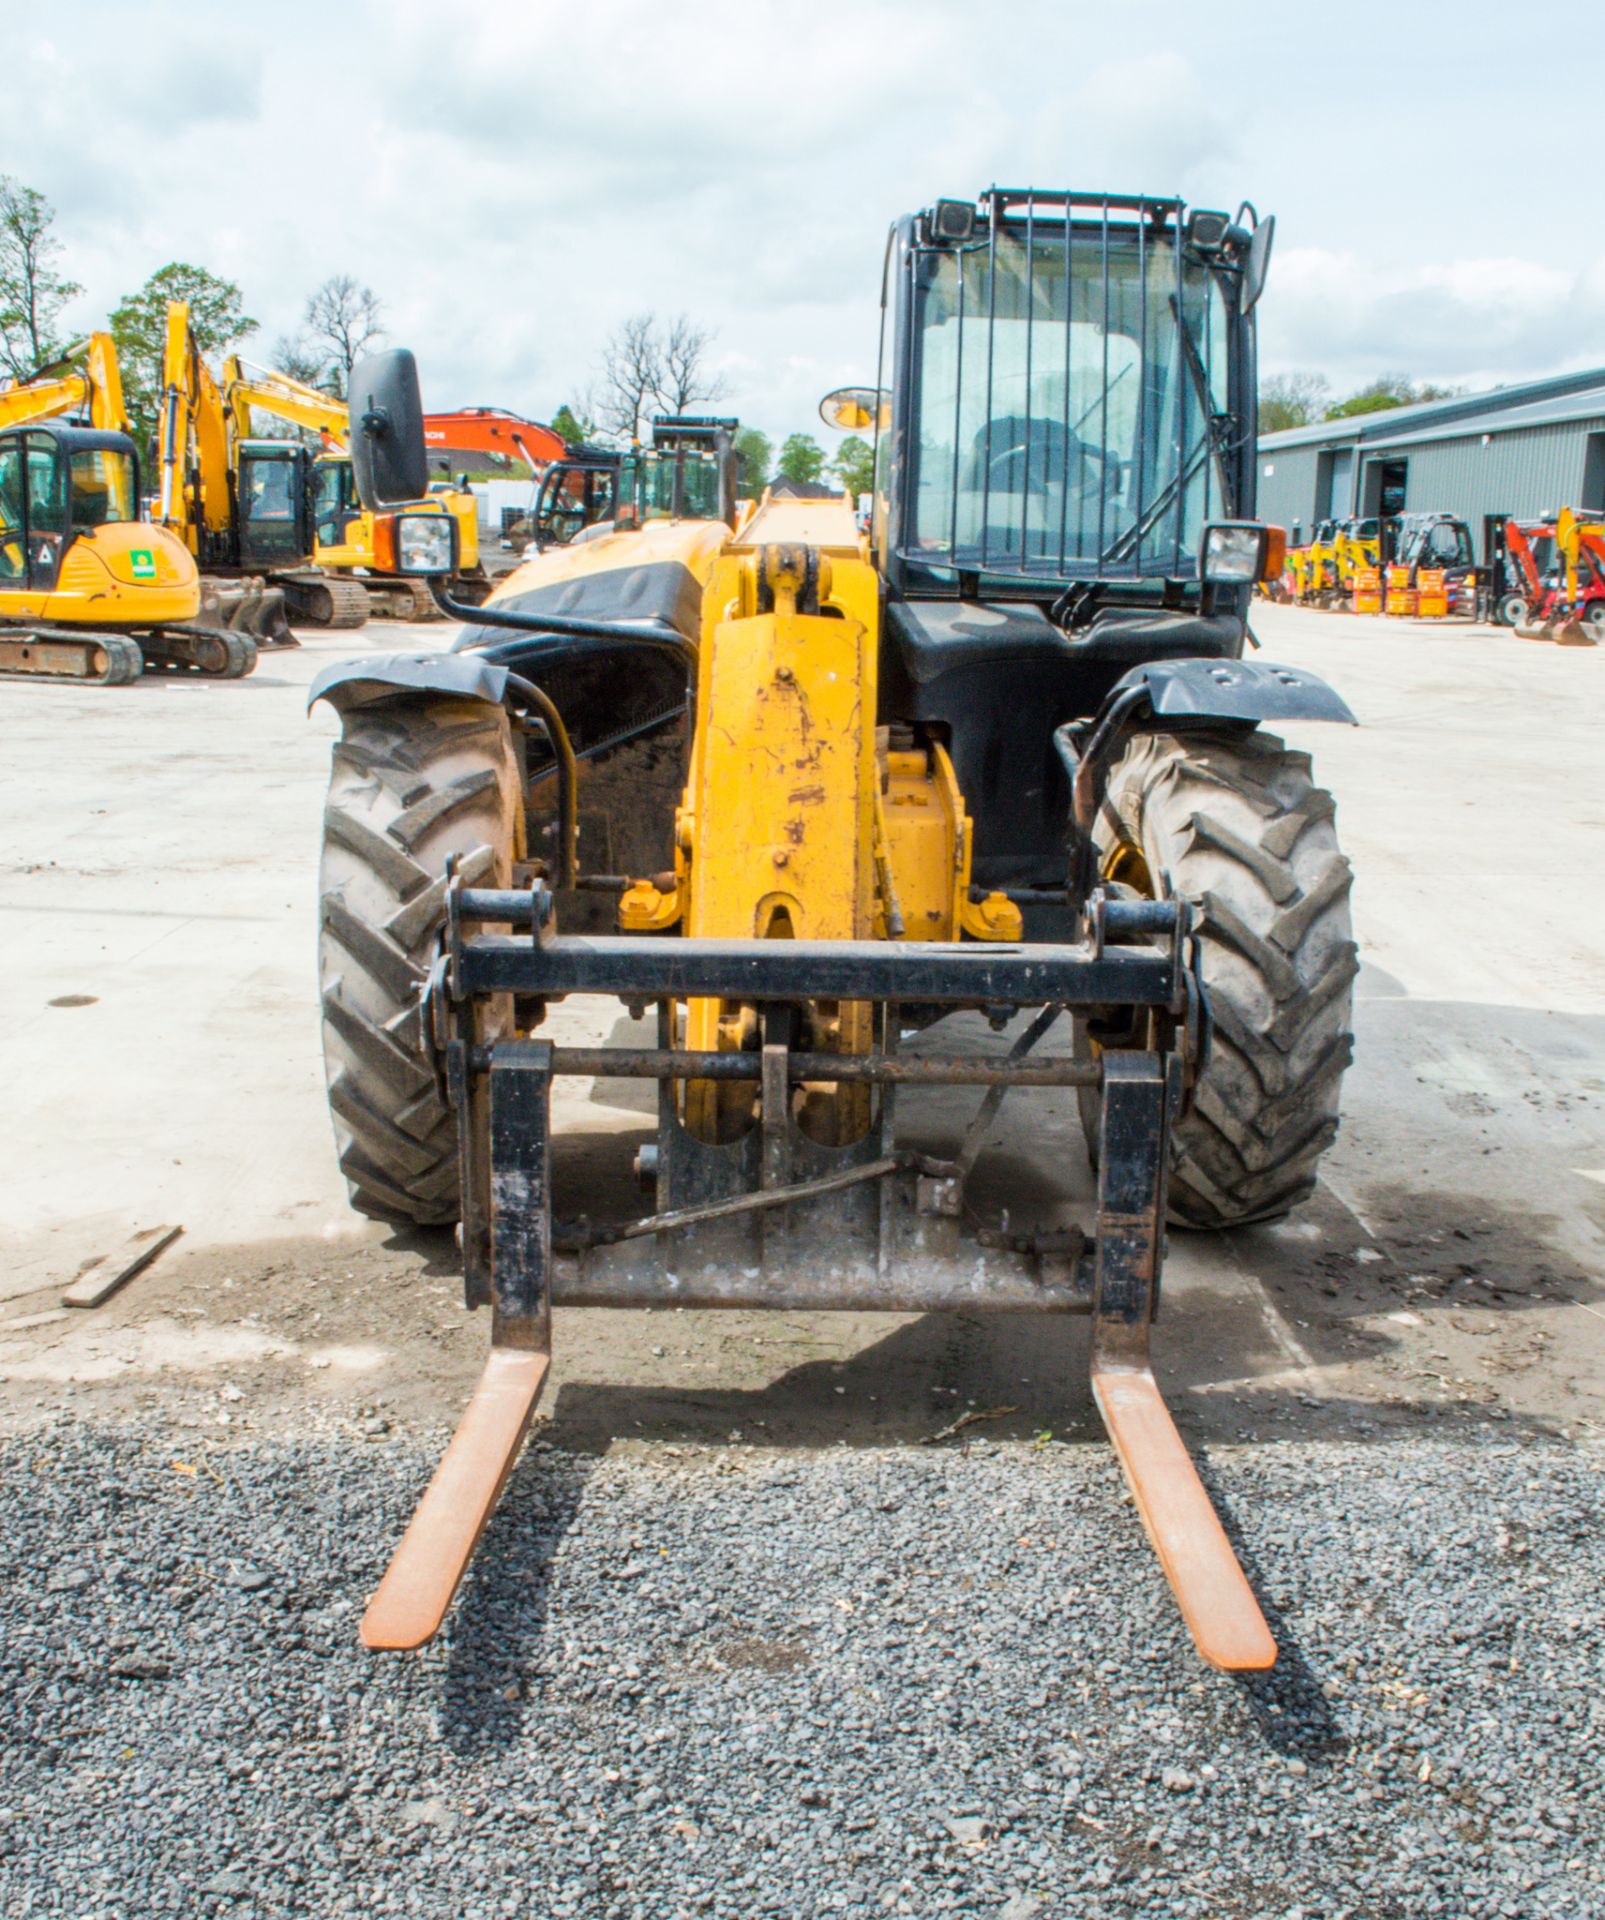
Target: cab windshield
x=1061 y=426
x=102 y=486
x=674 y=483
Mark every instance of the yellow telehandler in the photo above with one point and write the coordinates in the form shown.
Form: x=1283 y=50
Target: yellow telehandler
x=803 y=794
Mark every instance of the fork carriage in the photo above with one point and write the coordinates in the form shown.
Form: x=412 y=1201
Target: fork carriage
x=776 y=1219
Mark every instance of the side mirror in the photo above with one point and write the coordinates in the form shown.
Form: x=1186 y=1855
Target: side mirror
x=854 y=409
x=388 y=459
x=1258 y=263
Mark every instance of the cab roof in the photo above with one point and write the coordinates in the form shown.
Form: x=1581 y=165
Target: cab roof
x=78 y=439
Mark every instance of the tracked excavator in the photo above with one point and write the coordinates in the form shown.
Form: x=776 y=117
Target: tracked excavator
x=350 y=543
x=88 y=591
x=492 y=434
x=1566 y=605
x=804 y=794
x=242 y=506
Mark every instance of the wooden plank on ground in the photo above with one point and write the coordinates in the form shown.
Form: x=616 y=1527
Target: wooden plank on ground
x=113 y=1269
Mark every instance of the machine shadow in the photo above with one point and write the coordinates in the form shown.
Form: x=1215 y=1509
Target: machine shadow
x=501 y=1612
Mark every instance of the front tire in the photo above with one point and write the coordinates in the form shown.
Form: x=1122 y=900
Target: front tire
x=1246 y=837
x=412 y=782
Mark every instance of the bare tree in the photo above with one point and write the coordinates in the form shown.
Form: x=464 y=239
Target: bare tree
x=32 y=292
x=632 y=375
x=344 y=320
x=1292 y=400
x=293 y=355
x=686 y=377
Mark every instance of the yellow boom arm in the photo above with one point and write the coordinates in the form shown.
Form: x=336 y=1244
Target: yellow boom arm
x=194 y=437
x=283 y=397
x=97 y=385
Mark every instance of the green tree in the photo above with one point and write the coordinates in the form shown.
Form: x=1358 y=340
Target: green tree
x=802 y=458
x=1389 y=390
x=574 y=427
x=756 y=452
x=217 y=318
x=854 y=465
x=1292 y=400
x=32 y=291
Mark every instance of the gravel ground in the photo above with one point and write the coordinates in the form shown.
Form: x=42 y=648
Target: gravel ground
x=742 y=1682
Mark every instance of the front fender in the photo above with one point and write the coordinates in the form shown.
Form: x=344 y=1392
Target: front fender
x=1200 y=691
x=354 y=683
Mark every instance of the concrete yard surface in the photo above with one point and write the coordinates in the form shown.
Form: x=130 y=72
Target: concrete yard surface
x=738 y=1642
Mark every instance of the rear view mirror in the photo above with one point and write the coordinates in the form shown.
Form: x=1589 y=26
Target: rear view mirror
x=853 y=409
x=388 y=459
x=1258 y=263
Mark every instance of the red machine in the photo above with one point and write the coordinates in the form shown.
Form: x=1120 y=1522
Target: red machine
x=1565 y=598
x=480 y=433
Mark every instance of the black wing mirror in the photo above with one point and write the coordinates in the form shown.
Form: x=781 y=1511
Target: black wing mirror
x=389 y=461
x=1258 y=263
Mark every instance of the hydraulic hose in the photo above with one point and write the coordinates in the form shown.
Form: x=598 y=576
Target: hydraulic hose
x=568 y=771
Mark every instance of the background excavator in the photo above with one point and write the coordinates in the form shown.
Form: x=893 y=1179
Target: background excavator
x=348 y=541
x=1565 y=602
x=477 y=434
x=243 y=507
x=87 y=590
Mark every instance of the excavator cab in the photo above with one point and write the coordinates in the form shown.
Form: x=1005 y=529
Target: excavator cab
x=57 y=483
x=274 y=504
x=688 y=473
x=574 y=493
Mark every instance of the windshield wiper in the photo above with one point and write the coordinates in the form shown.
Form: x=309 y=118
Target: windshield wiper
x=1125 y=544
x=1219 y=425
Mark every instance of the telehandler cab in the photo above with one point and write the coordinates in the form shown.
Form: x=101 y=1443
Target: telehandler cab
x=822 y=791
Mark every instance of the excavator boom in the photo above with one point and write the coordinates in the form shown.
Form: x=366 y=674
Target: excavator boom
x=286 y=398
x=86 y=379
x=493 y=432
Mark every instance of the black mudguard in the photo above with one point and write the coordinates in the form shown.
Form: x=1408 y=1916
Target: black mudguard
x=1205 y=692
x=353 y=683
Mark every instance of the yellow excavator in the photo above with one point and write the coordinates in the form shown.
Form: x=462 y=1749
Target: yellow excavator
x=88 y=591
x=242 y=507
x=349 y=540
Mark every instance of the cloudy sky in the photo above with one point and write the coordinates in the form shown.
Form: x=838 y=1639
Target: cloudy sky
x=513 y=179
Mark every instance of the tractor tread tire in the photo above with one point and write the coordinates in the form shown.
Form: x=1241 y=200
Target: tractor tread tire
x=1246 y=837
x=412 y=781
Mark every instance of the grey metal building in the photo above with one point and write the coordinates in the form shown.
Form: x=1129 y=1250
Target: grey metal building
x=1521 y=450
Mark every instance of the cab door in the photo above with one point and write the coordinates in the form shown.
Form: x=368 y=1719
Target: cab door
x=46 y=510
x=13 y=521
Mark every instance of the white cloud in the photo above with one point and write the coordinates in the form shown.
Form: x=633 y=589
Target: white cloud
x=1471 y=321
x=515 y=178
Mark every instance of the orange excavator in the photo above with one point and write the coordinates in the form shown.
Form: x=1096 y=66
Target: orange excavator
x=473 y=434
x=1568 y=604
x=1529 y=547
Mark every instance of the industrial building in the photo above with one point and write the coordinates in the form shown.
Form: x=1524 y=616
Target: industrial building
x=1523 y=450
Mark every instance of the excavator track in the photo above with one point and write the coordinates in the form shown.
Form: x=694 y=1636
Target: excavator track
x=405 y=600
x=213 y=653
x=323 y=600
x=58 y=653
